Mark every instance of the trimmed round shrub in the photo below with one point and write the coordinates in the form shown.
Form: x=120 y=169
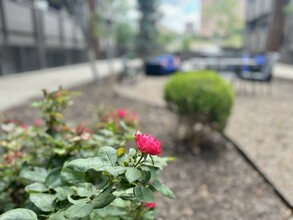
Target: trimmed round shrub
x=203 y=96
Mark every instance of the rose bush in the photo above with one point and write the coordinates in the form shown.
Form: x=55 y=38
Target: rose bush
x=119 y=118
x=52 y=170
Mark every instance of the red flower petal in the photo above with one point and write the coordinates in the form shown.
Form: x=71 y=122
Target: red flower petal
x=149 y=205
x=148 y=144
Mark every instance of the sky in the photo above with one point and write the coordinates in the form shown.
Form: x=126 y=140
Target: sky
x=176 y=13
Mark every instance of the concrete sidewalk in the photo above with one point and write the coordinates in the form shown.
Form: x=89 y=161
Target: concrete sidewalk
x=17 y=89
x=283 y=71
x=147 y=89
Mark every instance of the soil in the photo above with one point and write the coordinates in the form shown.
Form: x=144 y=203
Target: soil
x=216 y=183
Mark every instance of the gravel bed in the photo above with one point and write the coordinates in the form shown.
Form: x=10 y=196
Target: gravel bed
x=216 y=183
x=262 y=125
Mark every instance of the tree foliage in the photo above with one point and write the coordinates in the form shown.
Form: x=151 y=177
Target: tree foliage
x=113 y=21
x=147 y=37
x=228 y=21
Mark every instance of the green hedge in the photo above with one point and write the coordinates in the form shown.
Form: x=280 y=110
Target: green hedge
x=203 y=95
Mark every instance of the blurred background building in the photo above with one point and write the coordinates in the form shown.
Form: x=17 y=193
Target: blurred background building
x=264 y=30
x=38 y=34
x=269 y=28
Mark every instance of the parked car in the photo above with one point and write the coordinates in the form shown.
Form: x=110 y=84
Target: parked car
x=162 y=65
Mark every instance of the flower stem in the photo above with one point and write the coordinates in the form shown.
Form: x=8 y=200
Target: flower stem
x=138 y=217
x=140 y=159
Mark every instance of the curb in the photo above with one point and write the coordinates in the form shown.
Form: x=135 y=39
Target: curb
x=267 y=180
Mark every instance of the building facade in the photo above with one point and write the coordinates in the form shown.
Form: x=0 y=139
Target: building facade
x=34 y=38
x=264 y=29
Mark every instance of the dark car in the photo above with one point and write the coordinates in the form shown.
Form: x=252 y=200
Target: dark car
x=162 y=65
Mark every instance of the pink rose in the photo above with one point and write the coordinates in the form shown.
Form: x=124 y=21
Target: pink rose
x=148 y=144
x=121 y=113
x=149 y=205
x=24 y=126
x=83 y=133
x=38 y=122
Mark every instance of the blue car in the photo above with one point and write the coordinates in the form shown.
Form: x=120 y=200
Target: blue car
x=162 y=65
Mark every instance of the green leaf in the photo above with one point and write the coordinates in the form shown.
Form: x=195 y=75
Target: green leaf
x=143 y=194
x=115 y=171
x=36 y=175
x=124 y=125
x=79 y=210
x=36 y=104
x=19 y=214
x=53 y=179
x=154 y=172
x=58 y=215
x=77 y=201
x=111 y=213
x=85 y=189
x=159 y=162
x=124 y=194
x=146 y=176
x=120 y=203
x=103 y=199
x=43 y=201
x=163 y=189
x=121 y=159
x=63 y=192
x=72 y=177
x=132 y=152
x=59 y=151
x=108 y=155
x=82 y=165
x=132 y=174
x=36 y=187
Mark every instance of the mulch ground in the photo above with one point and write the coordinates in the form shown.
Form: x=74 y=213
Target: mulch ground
x=217 y=183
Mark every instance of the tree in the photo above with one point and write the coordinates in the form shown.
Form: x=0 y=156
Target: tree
x=114 y=24
x=124 y=35
x=186 y=44
x=147 y=37
x=167 y=39
x=288 y=9
x=227 y=19
x=75 y=8
x=123 y=26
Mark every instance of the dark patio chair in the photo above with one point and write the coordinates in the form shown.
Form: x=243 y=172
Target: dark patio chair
x=257 y=76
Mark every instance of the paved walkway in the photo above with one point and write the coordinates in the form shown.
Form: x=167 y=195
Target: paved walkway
x=284 y=71
x=262 y=125
x=17 y=89
x=146 y=89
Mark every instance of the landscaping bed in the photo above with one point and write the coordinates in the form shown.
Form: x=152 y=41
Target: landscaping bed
x=216 y=183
